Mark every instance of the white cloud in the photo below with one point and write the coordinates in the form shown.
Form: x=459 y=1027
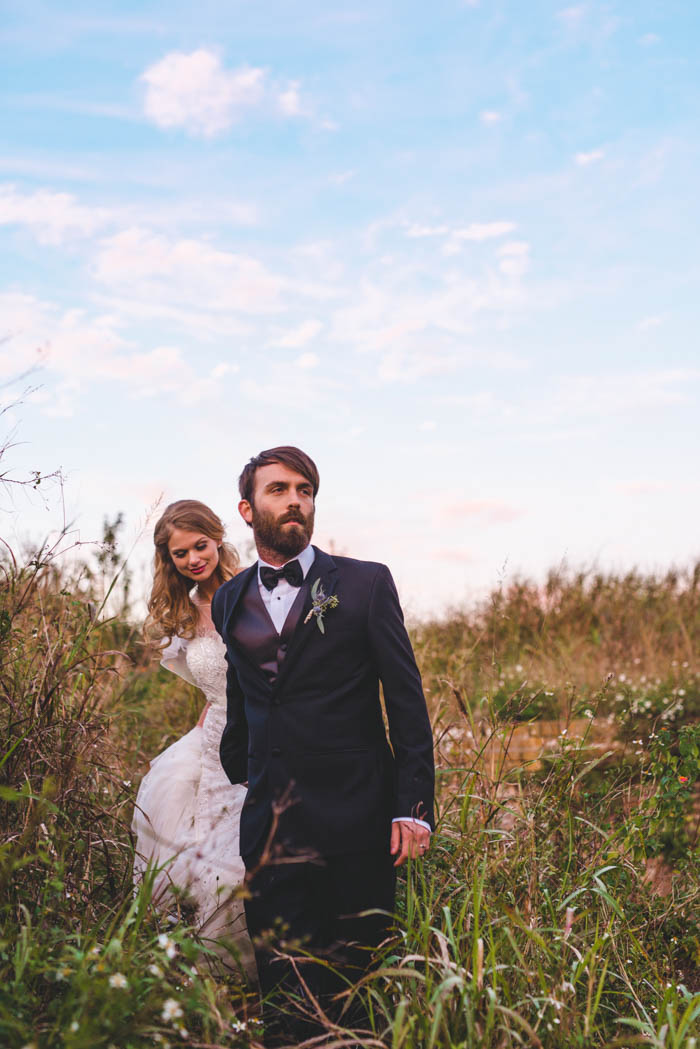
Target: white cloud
x=341 y=177
x=572 y=16
x=614 y=394
x=416 y=230
x=289 y=101
x=584 y=159
x=649 y=39
x=187 y=271
x=492 y=511
x=298 y=337
x=307 y=360
x=52 y=217
x=79 y=349
x=455 y=238
x=649 y=322
x=490 y=116
x=196 y=92
x=484 y=230
x=515 y=258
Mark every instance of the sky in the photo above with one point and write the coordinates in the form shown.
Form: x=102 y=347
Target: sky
x=450 y=250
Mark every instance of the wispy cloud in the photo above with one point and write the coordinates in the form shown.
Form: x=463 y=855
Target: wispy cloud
x=490 y=511
x=585 y=159
x=52 y=217
x=71 y=338
x=299 y=336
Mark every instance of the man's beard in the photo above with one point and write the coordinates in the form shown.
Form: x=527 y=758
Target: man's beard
x=269 y=531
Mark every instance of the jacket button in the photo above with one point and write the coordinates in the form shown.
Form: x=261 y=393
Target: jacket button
x=275 y=752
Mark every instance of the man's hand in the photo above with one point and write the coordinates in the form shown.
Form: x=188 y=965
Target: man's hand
x=408 y=839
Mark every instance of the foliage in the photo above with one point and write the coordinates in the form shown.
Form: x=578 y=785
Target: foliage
x=534 y=920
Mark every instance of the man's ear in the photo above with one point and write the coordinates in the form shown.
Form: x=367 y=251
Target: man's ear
x=246 y=511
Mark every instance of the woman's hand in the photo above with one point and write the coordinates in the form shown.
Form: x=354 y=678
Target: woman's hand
x=203 y=715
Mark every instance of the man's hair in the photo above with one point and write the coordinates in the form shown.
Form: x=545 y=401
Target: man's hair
x=286 y=454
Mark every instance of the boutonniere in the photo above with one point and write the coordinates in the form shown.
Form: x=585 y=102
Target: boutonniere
x=320 y=604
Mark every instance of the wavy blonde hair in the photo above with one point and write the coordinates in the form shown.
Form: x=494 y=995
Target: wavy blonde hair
x=171 y=610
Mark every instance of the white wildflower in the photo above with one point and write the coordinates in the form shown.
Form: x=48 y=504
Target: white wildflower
x=239 y=1025
x=118 y=980
x=155 y=970
x=171 y=1010
x=168 y=945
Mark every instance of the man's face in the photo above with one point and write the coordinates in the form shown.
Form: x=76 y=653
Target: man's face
x=282 y=510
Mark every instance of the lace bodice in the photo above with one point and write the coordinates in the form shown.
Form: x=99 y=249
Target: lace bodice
x=206 y=658
x=202 y=662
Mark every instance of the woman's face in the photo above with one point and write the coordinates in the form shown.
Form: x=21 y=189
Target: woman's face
x=194 y=554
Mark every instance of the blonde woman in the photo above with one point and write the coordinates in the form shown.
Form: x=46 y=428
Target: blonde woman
x=186 y=821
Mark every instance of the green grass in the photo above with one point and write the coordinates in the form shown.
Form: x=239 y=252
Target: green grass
x=558 y=904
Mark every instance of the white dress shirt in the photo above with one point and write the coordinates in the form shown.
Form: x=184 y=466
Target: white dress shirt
x=278 y=603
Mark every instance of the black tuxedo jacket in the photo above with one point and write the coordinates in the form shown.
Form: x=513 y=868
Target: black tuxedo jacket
x=318 y=725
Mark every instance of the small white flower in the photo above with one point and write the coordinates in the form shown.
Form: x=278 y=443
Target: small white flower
x=171 y=1010
x=118 y=980
x=62 y=974
x=239 y=1025
x=155 y=970
x=74 y=1026
x=184 y=1033
x=168 y=945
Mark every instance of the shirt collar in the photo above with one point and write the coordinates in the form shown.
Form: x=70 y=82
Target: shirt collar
x=306 y=558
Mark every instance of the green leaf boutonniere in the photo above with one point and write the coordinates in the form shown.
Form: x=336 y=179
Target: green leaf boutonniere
x=320 y=604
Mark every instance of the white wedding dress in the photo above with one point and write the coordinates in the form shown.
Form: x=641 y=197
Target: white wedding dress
x=187 y=815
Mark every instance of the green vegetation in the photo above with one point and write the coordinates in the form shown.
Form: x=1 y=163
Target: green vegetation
x=558 y=906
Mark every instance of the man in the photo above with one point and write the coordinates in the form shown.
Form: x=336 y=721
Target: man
x=331 y=809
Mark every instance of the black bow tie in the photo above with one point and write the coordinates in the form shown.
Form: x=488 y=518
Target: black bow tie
x=292 y=572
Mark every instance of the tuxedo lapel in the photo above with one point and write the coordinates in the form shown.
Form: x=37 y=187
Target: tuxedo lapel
x=323 y=569
x=235 y=593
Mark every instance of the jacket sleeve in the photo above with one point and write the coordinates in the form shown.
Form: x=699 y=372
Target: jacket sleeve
x=409 y=725
x=233 y=748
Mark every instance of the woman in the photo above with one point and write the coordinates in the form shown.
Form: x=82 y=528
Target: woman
x=186 y=820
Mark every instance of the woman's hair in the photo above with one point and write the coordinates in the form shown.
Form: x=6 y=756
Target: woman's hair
x=171 y=610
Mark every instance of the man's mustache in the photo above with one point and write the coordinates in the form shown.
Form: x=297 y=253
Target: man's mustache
x=293 y=515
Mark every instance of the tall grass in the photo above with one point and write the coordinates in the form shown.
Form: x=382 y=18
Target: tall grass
x=557 y=906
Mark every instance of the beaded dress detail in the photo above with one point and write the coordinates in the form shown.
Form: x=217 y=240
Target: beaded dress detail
x=187 y=812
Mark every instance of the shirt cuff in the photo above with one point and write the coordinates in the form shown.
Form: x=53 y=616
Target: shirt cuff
x=411 y=819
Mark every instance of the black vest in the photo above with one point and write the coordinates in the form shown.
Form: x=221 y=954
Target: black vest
x=255 y=633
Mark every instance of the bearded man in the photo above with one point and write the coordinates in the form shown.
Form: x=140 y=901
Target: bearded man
x=332 y=809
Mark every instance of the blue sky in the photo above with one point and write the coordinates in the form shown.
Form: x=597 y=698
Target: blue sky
x=449 y=249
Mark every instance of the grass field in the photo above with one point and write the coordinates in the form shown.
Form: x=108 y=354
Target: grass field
x=558 y=906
